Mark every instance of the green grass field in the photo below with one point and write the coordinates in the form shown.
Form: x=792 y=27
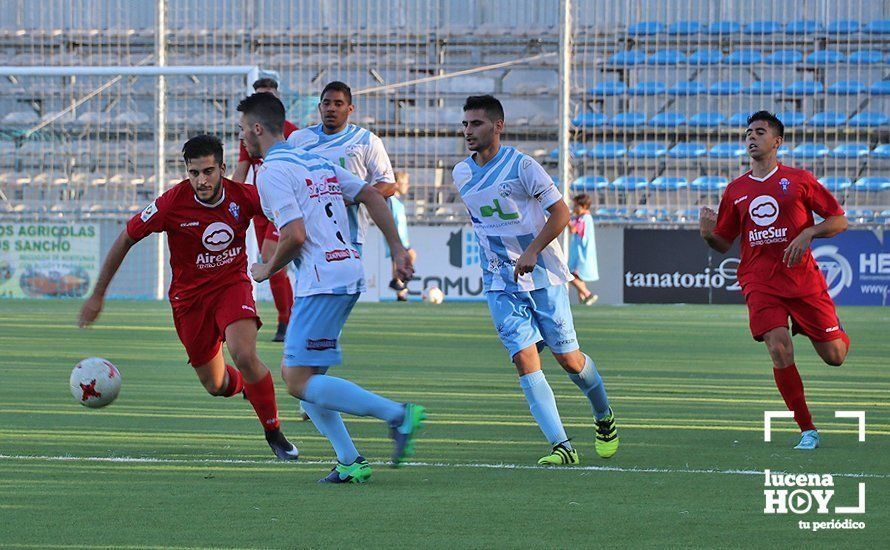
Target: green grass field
x=167 y=465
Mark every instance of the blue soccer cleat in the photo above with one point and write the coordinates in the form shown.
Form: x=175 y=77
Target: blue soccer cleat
x=809 y=440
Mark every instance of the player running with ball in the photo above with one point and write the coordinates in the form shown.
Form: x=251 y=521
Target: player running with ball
x=771 y=207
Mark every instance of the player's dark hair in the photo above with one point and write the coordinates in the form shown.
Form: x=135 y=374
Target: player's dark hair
x=202 y=146
x=771 y=120
x=488 y=103
x=582 y=200
x=337 y=86
x=266 y=109
x=266 y=83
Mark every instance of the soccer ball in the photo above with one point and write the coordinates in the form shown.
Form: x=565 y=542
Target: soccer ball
x=434 y=295
x=95 y=382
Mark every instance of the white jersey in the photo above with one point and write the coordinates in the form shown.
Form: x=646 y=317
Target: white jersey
x=294 y=184
x=358 y=150
x=507 y=200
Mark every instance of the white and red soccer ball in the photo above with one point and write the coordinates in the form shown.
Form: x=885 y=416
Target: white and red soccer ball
x=95 y=382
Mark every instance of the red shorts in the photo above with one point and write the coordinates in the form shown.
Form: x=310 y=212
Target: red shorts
x=813 y=316
x=201 y=324
x=265 y=230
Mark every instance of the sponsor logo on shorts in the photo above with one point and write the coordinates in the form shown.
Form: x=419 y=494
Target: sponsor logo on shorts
x=248 y=308
x=321 y=344
x=833 y=329
x=337 y=255
x=562 y=326
x=566 y=342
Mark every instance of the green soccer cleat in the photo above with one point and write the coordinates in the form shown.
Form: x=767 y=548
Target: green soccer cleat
x=357 y=472
x=560 y=456
x=403 y=435
x=606 y=436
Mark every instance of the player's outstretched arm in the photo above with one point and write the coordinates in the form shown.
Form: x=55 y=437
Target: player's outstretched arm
x=379 y=211
x=291 y=238
x=91 y=308
x=556 y=224
x=707 y=222
x=829 y=227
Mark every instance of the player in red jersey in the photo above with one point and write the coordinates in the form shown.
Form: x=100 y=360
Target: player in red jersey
x=206 y=219
x=771 y=207
x=266 y=234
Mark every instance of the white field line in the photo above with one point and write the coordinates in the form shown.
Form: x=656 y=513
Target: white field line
x=469 y=465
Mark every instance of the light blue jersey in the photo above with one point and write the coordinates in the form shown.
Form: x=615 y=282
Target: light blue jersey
x=582 y=249
x=356 y=149
x=508 y=200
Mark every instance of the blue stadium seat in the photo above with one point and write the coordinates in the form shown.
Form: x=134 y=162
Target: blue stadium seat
x=881 y=87
x=684 y=28
x=843 y=26
x=687 y=87
x=743 y=57
x=884 y=217
x=740 y=119
x=784 y=57
x=723 y=27
x=803 y=26
x=873 y=184
x=849 y=151
x=726 y=87
x=669 y=183
x=765 y=87
x=611 y=213
x=847 y=87
x=647 y=150
x=688 y=150
x=651 y=214
x=686 y=215
x=709 y=183
x=861 y=215
x=810 y=151
x=836 y=184
x=628 y=58
x=865 y=57
x=589 y=183
x=825 y=57
x=608 y=88
x=790 y=119
x=666 y=57
x=804 y=88
x=651 y=87
x=727 y=150
x=667 y=120
x=607 y=150
x=645 y=28
x=869 y=119
x=576 y=150
x=708 y=119
x=590 y=120
x=629 y=183
x=828 y=118
x=882 y=151
x=763 y=27
x=879 y=26
x=705 y=57
x=628 y=120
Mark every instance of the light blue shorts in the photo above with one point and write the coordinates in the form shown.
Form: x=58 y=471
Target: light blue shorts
x=541 y=317
x=313 y=333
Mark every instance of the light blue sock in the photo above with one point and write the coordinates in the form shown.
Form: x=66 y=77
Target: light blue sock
x=342 y=395
x=542 y=404
x=330 y=424
x=591 y=384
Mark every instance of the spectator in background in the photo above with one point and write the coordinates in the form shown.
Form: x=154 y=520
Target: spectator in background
x=582 y=249
x=401 y=219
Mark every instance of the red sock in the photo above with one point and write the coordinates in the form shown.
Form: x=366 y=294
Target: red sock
x=791 y=387
x=282 y=294
x=262 y=396
x=236 y=381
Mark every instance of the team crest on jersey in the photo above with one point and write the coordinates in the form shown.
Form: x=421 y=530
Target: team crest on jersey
x=505 y=190
x=784 y=183
x=235 y=210
x=353 y=150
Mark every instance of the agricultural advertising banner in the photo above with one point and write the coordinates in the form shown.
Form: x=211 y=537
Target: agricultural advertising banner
x=48 y=260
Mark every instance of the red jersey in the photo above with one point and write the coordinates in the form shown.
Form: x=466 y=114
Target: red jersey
x=769 y=214
x=207 y=250
x=289 y=128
